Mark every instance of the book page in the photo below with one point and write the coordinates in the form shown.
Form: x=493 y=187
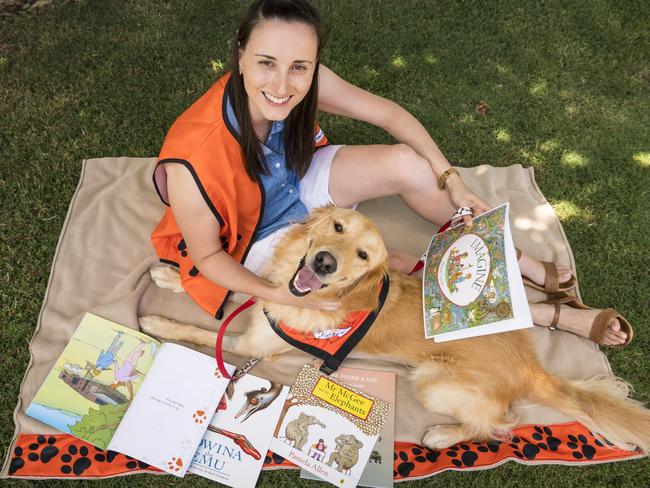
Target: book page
x=378 y=472
x=233 y=449
x=170 y=414
x=94 y=380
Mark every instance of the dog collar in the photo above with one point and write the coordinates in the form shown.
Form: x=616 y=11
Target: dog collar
x=333 y=345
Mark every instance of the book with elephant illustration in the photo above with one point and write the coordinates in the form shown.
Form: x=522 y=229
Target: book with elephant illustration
x=472 y=285
x=328 y=427
x=121 y=390
x=233 y=448
x=378 y=472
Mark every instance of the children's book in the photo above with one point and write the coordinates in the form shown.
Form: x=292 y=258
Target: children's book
x=472 y=285
x=378 y=472
x=121 y=390
x=232 y=450
x=328 y=427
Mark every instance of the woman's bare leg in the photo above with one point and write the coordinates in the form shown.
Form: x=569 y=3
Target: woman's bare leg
x=360 y=173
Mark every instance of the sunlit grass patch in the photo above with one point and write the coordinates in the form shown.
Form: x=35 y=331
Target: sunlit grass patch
x=398 y=62
x=531 y=158
x=502 y=135
x=566 y=210
x=372 y=72
x=216 y=65
x=571 y=109
x=573 y=159
x=539 y=88
x=642 y=158
x=430 y=59
x=549 y=145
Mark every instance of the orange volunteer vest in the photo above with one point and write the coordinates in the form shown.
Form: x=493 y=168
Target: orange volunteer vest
x=203 y=140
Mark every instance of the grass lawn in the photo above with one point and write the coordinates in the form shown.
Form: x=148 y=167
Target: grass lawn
x=567 y=83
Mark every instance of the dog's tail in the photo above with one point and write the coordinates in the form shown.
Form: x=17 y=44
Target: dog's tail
x=600 y=403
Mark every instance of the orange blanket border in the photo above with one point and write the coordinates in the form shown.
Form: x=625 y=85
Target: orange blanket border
x=65 y=456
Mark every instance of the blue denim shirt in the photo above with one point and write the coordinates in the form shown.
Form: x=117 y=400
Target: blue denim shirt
x=282 y=205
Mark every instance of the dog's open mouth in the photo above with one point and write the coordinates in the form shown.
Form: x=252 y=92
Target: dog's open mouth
x=304 y=280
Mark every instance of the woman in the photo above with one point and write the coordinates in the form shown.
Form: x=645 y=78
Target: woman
x=248 y=158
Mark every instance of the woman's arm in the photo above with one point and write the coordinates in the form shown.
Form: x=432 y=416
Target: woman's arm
x=339 y=97
x=201 y=233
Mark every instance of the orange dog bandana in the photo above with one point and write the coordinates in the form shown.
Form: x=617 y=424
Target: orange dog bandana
x=333 y=345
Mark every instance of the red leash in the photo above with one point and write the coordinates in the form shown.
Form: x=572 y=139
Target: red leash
x=222 y=330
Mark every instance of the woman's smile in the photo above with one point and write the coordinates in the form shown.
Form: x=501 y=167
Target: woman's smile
x=276 y=100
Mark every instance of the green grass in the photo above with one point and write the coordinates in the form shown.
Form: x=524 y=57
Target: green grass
x=568 y=84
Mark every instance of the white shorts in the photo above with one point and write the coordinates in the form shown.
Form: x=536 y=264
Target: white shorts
x=314 y=193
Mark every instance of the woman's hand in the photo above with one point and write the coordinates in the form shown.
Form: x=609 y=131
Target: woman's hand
x=463 y=197
x=280 y=294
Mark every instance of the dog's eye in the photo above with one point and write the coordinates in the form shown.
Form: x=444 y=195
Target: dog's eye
x=362 y=254
x=338 y=227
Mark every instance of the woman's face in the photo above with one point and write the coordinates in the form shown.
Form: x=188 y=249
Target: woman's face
x=277 y=65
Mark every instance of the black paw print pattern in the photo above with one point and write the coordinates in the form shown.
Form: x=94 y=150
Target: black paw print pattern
x=225 y=243
x=462 y=455
x=542 y=439
x=56 y=455
x=76 y=460
x=523 y=449
x=418 y=455
x=545 y=438
x=42 y=450
x=580 y=447
x=489 y=446
x=182 y=247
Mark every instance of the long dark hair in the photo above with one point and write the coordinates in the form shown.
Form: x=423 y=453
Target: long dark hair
x=300 y=124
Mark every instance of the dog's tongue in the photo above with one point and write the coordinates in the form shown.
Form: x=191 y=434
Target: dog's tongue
x=307 y=279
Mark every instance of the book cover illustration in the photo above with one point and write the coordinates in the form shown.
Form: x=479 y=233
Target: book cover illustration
x=329 y=428
x=466 y=282
x=233 y=448
x=94 y=380
x=378 y=472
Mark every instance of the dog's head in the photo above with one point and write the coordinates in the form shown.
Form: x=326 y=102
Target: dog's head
x=336 y=252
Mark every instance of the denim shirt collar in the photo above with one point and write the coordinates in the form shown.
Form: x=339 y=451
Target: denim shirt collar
x=273 y=140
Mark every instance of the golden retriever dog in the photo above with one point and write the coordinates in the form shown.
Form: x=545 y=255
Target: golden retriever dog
x=339 y=254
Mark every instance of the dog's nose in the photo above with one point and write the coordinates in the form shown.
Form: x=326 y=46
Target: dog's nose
x=324 y=263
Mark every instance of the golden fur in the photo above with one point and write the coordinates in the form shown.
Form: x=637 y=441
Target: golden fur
x=449 y=378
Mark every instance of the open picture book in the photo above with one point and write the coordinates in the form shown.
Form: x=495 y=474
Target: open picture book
x=122 y=390
x=472 y=285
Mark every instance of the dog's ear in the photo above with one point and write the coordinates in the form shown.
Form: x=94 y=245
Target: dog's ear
x=364 y=295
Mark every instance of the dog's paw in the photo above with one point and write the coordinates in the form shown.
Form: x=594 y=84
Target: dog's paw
x=166 y=277
x=157 y=326
x=441 y=436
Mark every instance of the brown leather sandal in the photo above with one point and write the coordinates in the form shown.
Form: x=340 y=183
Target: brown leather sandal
x=552 y=283
x=599 y=325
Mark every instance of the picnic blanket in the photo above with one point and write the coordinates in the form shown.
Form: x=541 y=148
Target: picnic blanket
x=101 y=266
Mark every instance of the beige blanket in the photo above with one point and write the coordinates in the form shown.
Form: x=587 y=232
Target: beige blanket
x=103 y=256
